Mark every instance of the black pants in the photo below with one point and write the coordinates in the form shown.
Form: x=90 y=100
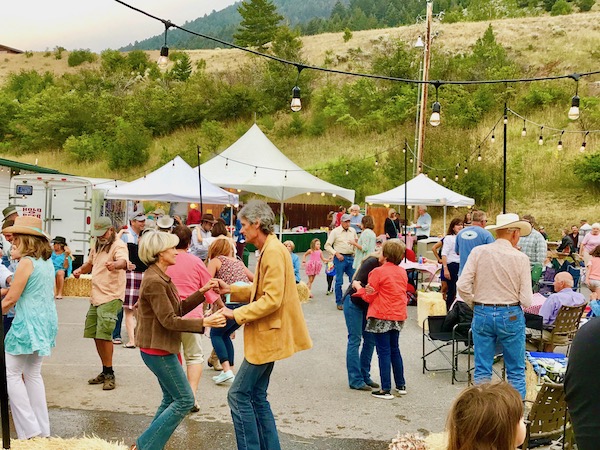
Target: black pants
x=451 y=294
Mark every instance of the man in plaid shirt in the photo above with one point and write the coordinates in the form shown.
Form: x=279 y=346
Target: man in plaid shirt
x=534 y=245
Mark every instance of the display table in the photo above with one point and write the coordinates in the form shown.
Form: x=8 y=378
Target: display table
x=301 y=240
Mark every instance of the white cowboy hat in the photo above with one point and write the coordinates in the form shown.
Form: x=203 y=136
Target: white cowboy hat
x=510 y=220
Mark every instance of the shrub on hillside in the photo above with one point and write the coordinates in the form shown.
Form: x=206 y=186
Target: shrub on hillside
x=78 y=57
x=585 y=5
x=561 y=8
x=85 y=148
x=113 y=61
x=128 y=145
x=588 y=169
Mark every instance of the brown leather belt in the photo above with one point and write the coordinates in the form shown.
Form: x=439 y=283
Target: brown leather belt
x=504 y=305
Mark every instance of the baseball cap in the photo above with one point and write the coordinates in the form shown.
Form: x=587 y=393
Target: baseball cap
x=138 y=217
x=101 y=226
x=346 y=218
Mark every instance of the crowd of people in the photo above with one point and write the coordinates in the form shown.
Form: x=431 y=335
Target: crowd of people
x=168 y=282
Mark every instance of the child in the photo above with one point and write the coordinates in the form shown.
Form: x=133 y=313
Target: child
x=330 y=272
x=295 y=259
x=386 y=295
x=488 y=415
x=593 y=274
x=313 y=268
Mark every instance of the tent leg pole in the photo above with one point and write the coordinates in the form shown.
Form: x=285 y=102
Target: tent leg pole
x=281 y=221
x=444 y=218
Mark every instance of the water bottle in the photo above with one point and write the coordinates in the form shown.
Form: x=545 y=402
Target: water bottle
x=420 y=259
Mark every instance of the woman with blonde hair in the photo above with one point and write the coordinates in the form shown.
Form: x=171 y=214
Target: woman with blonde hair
x=160 y=322
x=33 y=331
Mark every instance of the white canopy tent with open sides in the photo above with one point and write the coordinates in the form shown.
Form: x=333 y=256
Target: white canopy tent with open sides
x=421 y=190
x=254 y=164
x=176 y=181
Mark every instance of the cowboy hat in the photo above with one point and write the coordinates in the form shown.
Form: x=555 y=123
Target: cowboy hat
x=510 y=220
x=59 y=240
x=165 y=222
x=27 y=225
x=208 y=218
x=9 y=210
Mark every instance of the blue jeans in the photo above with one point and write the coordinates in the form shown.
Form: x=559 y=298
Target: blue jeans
x=221 y=341
x=504 y=325
x=358 y=362
x=341 y=268
x=390 y=359
x=178 y=400
x=253 y=419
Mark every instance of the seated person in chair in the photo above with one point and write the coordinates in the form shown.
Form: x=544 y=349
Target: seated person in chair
x=564 y=295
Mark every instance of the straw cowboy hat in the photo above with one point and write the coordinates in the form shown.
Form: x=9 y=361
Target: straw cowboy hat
x=27 y=225
x=165 y=222
x=510 y=220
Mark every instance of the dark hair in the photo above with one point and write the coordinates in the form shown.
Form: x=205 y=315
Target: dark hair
x=185 y=236
x=453 y=223
x=485 y=416
x=219 y=229
x=596 y=252
x=367 y=222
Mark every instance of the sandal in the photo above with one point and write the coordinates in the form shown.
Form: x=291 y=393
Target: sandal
x=128 y=346
x=117 y=341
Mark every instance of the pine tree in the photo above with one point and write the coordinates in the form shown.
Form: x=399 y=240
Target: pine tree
x=259 y=25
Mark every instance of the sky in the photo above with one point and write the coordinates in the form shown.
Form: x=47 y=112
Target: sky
x=38 y=25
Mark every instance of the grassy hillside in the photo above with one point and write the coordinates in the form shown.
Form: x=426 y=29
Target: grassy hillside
x=543 y=45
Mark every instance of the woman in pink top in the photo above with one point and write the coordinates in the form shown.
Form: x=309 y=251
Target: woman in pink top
x=224 y=266
x=590 y=242
x=189 y=274
x=593 y=273
x=386 y=295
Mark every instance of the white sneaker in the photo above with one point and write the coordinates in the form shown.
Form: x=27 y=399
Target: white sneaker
x=401 y=390
x=223 y=377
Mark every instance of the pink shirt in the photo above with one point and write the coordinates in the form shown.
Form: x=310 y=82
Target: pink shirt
x=594 y=269
x=189 y=274
x=590 y=242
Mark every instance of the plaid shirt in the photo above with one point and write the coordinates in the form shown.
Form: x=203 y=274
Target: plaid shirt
x=535 y=247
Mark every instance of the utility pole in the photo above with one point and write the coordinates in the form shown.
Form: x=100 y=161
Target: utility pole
x=424 y=87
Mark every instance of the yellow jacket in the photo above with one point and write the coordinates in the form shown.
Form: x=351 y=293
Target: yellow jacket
x=275 y=326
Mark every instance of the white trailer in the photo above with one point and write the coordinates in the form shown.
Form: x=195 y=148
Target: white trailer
x=67 y=205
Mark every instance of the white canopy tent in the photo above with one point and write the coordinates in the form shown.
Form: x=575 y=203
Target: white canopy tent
x=421 y=190
x=176 y=181
x=254 y=164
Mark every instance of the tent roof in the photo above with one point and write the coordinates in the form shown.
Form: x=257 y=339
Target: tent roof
x=421 y=190
x=176 y=181
x=253 y=163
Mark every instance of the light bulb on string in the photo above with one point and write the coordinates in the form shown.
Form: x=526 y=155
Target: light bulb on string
x=255 y=170
x=163 y=59
x=411 y=160
x=443 y=179
x=376 y=162
x=505 y=120
x=493 y=138
x=285 y=175
x=466 y=170
x=347 y=171
x=583 y=144
x=427 y=174
x=296 y=103
x=437 y=178
x=456 y=175
x=435 y=118
x=541 y=139
x=226 y=163
x=479 y=158
x=560 y=142
x=574 y=109
x=524 y=131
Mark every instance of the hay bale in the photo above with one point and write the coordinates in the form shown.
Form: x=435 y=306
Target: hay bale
x=303 y=292
x=78 y=287
x=55 y=443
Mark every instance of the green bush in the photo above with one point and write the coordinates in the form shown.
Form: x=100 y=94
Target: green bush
x=585 y=5
x=588 y=168
x=113 y=61
x=561 y=8
x=86 y=148
x=128 y=145
x=78 y=57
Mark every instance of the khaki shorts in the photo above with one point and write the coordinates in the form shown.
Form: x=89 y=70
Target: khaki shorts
x=192 y=348
x=100 y=320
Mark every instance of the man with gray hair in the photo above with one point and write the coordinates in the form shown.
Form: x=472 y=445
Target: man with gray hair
x=356 y=218
x=534 y=245
x=496 y=283
x=423 y=225
x=275 y=328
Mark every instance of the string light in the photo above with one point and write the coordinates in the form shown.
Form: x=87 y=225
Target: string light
x=285 y=175
x=493 y=138
x=255 y=171
x=296 y=104
x=437 y=178
x=456 y=174
x=583 y=144
x=560 y=143
x=466 y=170
x=435 y=118
x=574 y=110
x=505 y=119
x=524 y=132
x=347 y=171
x=376 y=162
x=479 y=158
x=541 y=140
x=443 y=179
x=226 y=163
x=163 y=59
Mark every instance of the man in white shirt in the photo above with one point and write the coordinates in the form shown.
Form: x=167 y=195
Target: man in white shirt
x=201 y=236
x=340 y=243
x=496 y=281
x=423 y=225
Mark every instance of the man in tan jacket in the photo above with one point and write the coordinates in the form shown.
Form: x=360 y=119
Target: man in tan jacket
x=275 y=329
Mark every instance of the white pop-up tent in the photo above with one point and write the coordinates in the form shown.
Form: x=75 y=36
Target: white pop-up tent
x=176 y=181
x=421 y=190
x=254 y=164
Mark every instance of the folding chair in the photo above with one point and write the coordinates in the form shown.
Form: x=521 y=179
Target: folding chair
x=548 y=418
x=442 y=340
x=536 y=274
x=576 y=274
x=565 y=327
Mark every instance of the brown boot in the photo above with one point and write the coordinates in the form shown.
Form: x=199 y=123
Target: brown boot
x=213 y=361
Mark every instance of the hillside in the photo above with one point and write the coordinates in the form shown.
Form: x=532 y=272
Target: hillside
x=540 y=45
